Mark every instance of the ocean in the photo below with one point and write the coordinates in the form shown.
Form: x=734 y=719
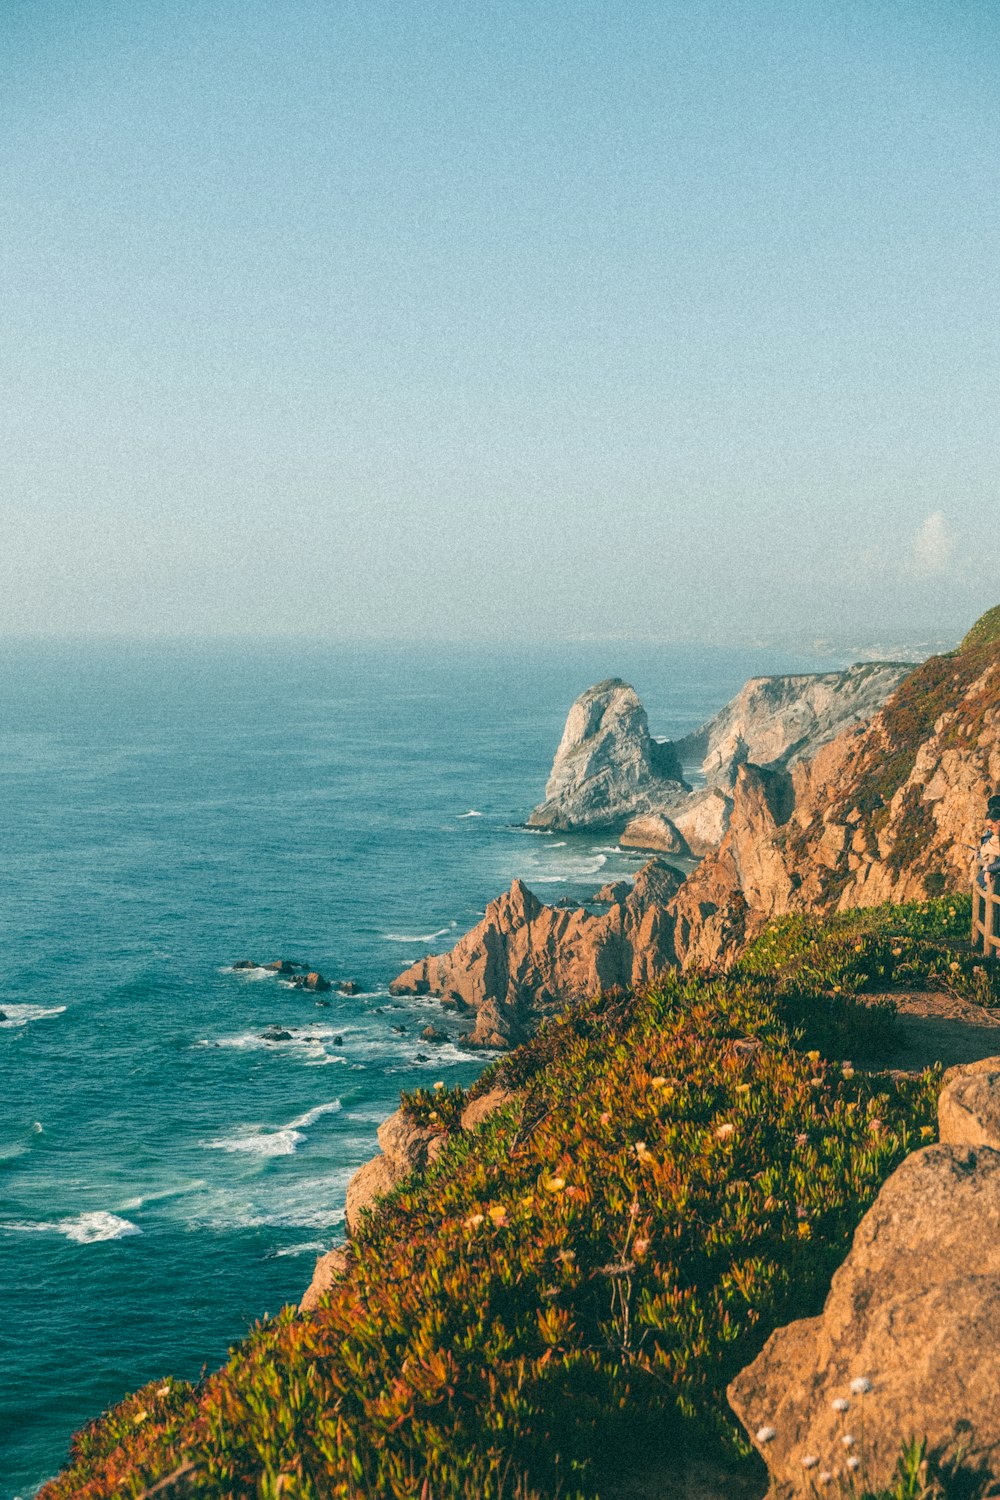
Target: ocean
x=167 y=1173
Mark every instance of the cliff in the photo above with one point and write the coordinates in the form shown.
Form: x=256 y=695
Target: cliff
x=524 y=960
x=787 y=718
x=884 y=812
x=608 y=766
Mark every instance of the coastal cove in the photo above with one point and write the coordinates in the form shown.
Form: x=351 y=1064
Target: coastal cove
x=168 y=1174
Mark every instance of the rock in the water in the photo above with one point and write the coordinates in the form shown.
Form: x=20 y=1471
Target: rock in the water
x=338 y=1041
x=330 y=1268
x=525 y=959
x=245 y=963
x=283 y=966
x=653 y=831
x=608 y=767
x=915 y=1312
x=969 y=1105
x=348 y=987
x=480 y=1109
x=276 y=1034
x=433 y=1034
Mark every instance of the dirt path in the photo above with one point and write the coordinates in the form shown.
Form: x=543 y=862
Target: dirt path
x=935 y=1027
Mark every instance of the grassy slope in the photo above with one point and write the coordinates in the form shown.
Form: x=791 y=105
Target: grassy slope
x=678 y=1174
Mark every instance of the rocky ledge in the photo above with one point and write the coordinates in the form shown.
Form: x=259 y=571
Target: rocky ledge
x=525 y=960
x=906 y=1345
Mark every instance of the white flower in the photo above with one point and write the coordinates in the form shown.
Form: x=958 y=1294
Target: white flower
x=854 y=1462
x=810 y=1461
x=841 y=1404
x=860 y=1386
x=766 y=1434
x=848 y=1440
x=825 y=1477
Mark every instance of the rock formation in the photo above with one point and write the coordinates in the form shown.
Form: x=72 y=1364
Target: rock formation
x=525 y=959
x=653 y=831
x=329 y=1270
x=885 y=812
x=608 y=767
x=786 y=718
x=909 y=1334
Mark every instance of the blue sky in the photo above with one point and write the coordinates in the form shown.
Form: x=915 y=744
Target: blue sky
x=498 y=320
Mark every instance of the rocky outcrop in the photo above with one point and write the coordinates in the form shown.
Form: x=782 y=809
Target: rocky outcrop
x=702 y=819
x=405 y=1147
x=885 y=812
x=906 y=1344
x=330 y=1268
x=525 y=959
x=784 y=719
x=608 y=767
x=653 y=831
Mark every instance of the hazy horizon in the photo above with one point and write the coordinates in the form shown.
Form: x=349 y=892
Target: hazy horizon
x=400 y=321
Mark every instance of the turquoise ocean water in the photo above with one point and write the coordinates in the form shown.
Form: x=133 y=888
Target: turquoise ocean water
x=167 y=1174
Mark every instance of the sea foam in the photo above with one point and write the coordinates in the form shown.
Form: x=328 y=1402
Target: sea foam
x=20 y=1015
x=84 y=1229
x=266 y=1140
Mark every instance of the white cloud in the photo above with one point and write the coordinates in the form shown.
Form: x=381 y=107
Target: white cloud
x=933 y=547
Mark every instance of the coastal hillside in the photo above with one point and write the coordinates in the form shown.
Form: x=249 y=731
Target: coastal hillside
x=885 y=812
x=556 y=1306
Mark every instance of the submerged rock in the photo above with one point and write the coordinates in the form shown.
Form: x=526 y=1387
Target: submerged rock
x=283 y=966
x=608 y=767
x=348 y=987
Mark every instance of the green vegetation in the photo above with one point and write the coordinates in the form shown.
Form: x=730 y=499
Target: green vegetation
x=677 y=1174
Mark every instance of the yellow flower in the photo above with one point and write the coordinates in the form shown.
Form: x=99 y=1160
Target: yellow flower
x=725 y=1130
x=474 y=1221
x=926 y=1131
x=805 y=1229
x=813 y=1056
x=438 y=1086
x=554 y=1184
x=499 y=1215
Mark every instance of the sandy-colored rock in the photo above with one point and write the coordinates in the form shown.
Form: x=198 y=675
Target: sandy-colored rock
x=330 y=1268
x=787 y=718
x=525 y=960
x=969 y=1105
x=702 y=819
x=915 y=1311
x=608 y=767
x=653 y=831
x=370 y=1182
x=478 y=1110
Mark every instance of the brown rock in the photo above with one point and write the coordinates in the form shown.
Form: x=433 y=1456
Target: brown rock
x=653 y=831
x=525 y=959
x=615 y=893
x=330 y=1268
x=914 y=1310
x=480 y=1109
x=433 y=1034
x=348 y=987
x=969 y=1105
x=369 y=1183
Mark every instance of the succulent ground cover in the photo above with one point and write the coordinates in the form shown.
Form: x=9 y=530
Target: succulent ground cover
x=562 y=1299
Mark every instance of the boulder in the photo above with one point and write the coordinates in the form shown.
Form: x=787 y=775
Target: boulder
x=245 y=963
x=433 y=1034
x=653 y=831
x=312 y=981
x=608 y=767
x=908 y=1337
x=276 y=1034
x=969 y=1105
x=348 y=987
x=480 y=1109
x=283 y=966
x=330 y=1268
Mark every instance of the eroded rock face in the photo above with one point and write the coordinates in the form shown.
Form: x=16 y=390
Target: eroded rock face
x=330 y=1268
x=914 y=1310
x=405 y=1147
x=607 y=767
x=969 y=1105
x=653 y=831
x=525 y=959
x=784 y=719
x=885 y=812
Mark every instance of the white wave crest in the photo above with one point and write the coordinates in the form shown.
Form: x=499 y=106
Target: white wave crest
x=84 y=1229
x=20 y=1015
x=266 y=1141
x=425 y=937
x=472 y=813
x=311 y=1247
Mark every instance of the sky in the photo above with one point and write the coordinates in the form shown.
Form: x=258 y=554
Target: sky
x=500 y=321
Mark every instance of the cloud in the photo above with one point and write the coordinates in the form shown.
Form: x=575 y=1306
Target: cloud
x=933 y=547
